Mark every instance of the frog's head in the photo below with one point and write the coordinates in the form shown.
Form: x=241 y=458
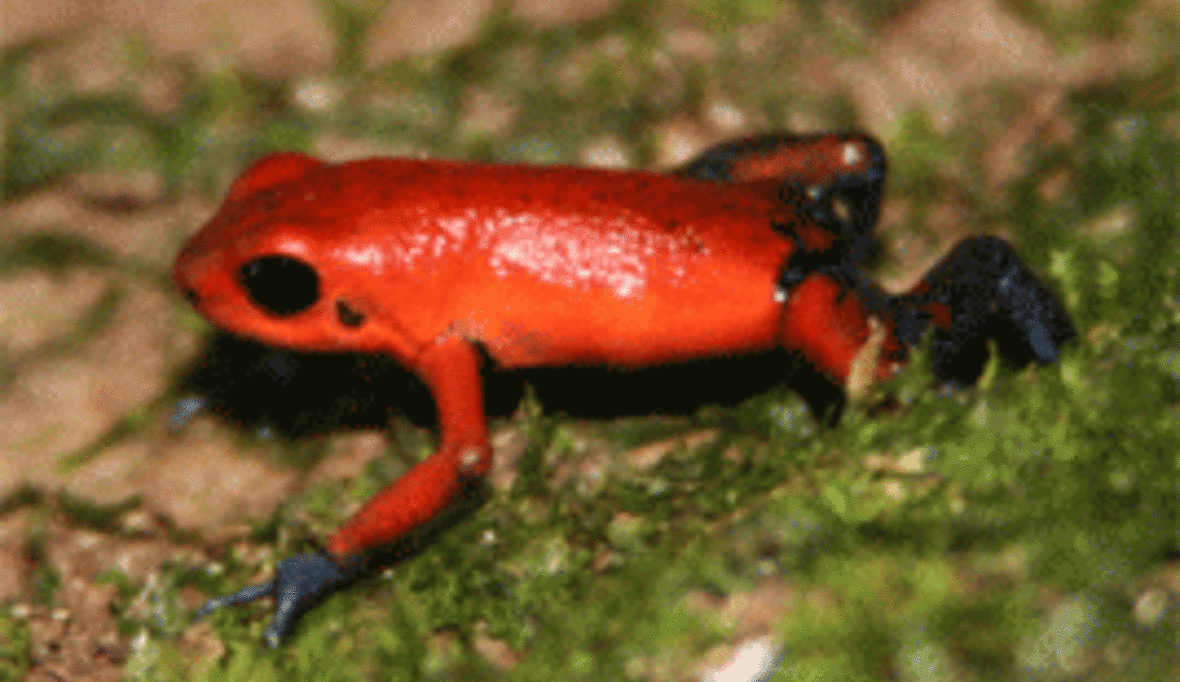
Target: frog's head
x=264 y=266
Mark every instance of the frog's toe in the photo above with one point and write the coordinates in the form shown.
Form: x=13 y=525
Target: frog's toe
x=1040 y=323
x=242 y=596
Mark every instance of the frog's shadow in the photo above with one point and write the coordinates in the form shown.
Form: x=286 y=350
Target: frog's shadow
x=296 y=395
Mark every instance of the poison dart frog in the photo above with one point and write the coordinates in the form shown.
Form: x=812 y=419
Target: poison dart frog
x=755 y=244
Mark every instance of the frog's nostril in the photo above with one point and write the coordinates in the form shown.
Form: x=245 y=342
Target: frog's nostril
x=190 y=295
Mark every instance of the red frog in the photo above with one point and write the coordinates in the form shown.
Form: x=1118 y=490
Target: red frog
x=755 y=244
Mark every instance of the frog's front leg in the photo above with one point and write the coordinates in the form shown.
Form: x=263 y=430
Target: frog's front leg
x=979 y=291
x=450 y=368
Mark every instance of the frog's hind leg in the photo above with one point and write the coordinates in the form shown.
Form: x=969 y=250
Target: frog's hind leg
x=828 y=324
x=979 y=291
x=836 y=179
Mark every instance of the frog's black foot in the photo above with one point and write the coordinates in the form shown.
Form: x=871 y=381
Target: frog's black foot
x=302 y=580
x=979 y=291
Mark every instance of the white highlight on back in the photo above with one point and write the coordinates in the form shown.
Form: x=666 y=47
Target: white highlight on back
x=606 y=252
x=614 y=252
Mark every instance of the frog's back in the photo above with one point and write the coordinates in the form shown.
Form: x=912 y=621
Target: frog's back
x=558 y=265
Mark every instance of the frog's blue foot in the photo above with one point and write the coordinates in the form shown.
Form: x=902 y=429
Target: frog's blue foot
x=302 y=580
x=980 y=291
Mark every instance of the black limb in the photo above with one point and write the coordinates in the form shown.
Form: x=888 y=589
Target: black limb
x=302 y=581
x=989 y=294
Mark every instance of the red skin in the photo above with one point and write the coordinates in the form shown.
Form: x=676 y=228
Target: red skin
x=541 y=265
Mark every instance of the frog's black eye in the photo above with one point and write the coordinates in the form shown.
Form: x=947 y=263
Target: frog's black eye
x=279 y=285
